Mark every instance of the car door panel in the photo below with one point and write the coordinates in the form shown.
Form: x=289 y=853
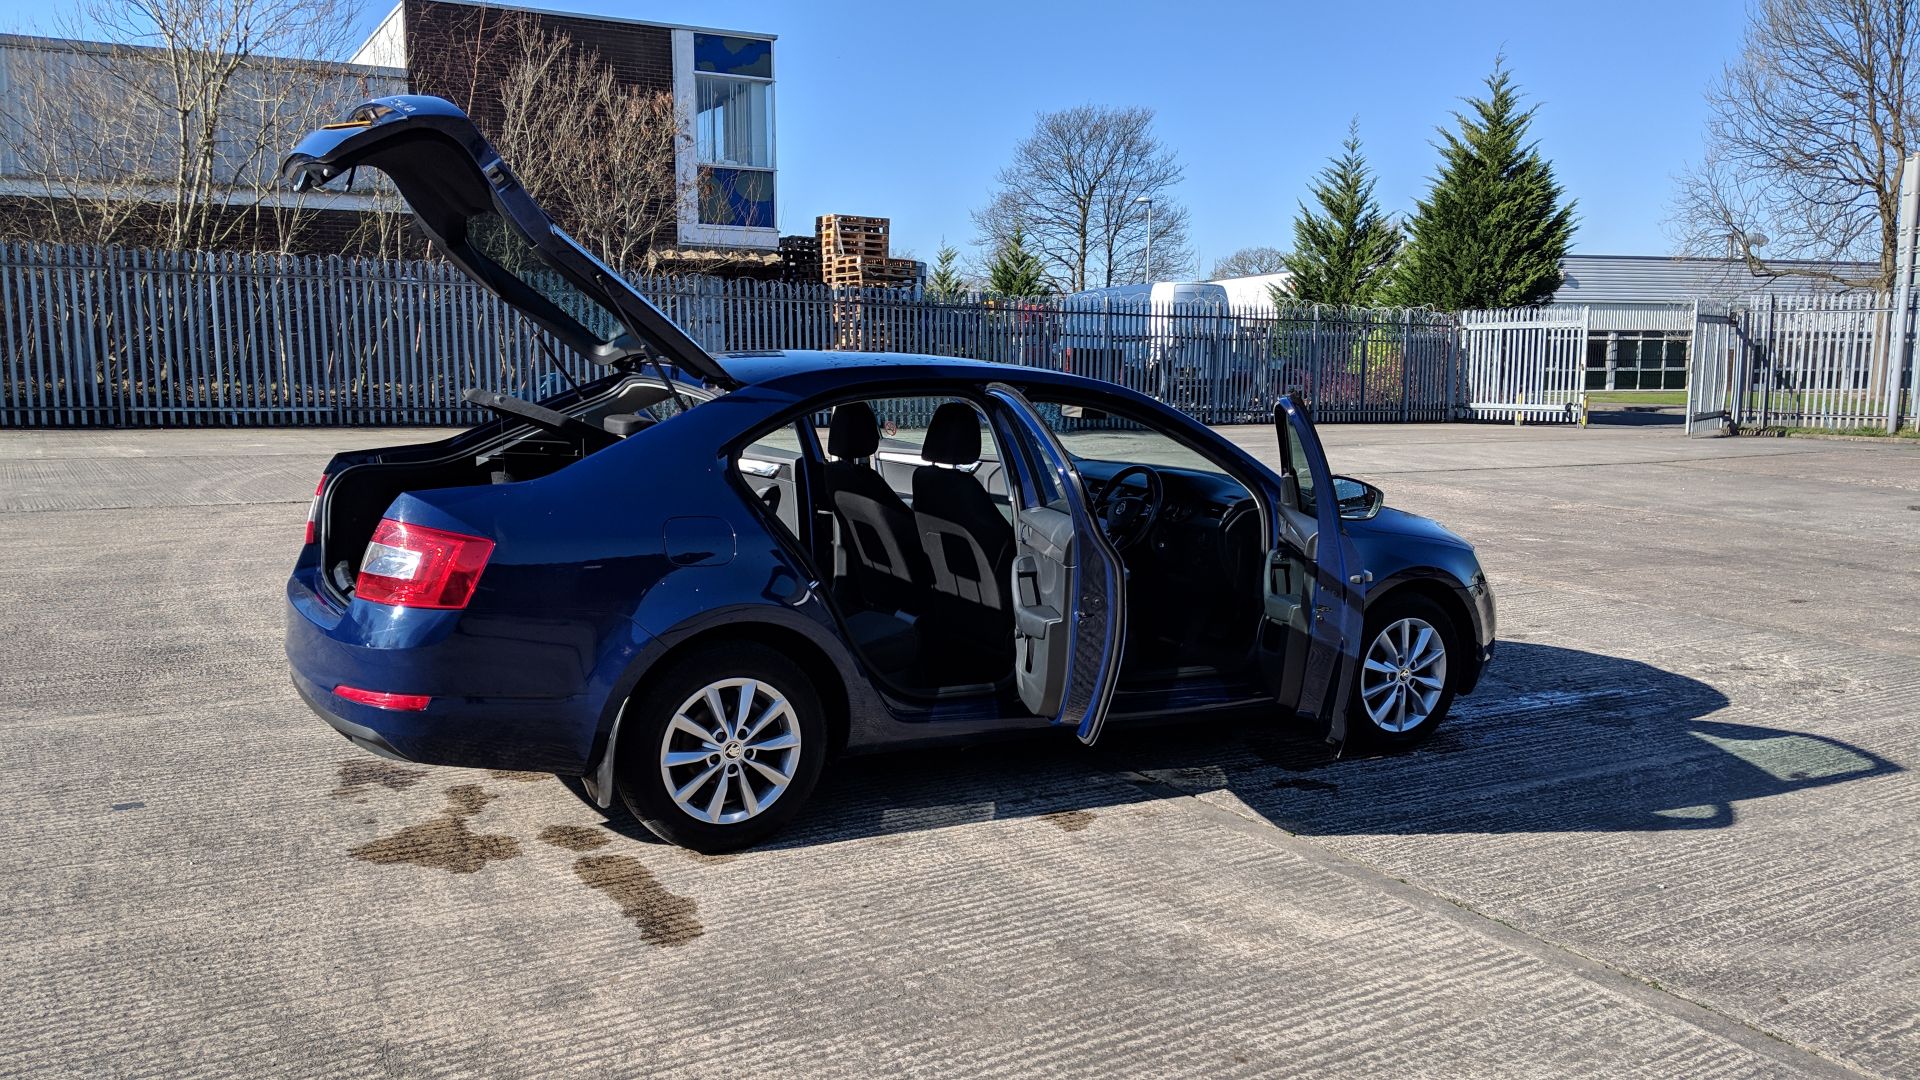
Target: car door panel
x=1313 y=611
x=1068 y=587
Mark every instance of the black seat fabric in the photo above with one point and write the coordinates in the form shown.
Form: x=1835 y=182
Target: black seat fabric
x=884 y=556
x=968 y=541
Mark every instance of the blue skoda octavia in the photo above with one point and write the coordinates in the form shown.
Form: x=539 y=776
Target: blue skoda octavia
x=694 y=580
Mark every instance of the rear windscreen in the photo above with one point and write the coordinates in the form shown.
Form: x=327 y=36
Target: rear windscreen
x=491 y=236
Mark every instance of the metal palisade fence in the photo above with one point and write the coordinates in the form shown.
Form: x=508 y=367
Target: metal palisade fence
x=113 y=337
x=124 y=337
x=1836 y=361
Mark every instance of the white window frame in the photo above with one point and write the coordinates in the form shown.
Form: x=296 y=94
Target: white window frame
x=686 y=96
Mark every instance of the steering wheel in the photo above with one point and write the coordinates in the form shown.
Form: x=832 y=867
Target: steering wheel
x=1127 y=516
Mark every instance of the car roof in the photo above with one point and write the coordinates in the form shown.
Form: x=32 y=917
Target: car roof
x=765 y=367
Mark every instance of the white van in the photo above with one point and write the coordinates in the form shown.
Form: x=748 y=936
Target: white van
x=1151 y=337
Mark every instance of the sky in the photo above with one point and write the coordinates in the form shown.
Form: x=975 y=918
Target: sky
x=906 y=109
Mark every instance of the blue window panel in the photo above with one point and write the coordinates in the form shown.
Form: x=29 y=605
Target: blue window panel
x=741 y=197
x=733 y=56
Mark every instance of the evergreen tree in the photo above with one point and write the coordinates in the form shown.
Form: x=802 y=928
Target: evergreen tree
x=1343 y=252
x=945 y=283
x=1492 y=231
x=1015 y=271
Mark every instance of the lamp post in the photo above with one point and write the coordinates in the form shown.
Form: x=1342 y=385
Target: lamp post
x=1148 y=199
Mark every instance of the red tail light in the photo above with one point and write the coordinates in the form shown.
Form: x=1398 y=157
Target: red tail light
x=380 y=699
x=414 y=566
x=313 y=510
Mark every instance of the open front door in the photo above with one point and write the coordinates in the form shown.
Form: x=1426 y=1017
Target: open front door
x=1069 y=585
x=1313 y=585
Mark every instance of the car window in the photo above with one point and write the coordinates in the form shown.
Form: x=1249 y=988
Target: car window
x=1090 y=433
x=1298 y=468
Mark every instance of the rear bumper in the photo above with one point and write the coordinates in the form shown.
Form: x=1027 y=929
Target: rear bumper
x=492 y=706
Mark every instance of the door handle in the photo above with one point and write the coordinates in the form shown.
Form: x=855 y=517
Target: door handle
x=1364 y=577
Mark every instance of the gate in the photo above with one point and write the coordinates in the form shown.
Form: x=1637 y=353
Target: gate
x=1835 y=361
x=1717 y=350
x=1523 y=363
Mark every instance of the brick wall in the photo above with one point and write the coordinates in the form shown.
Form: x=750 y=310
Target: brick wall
x=310 y=232
x=462 y=52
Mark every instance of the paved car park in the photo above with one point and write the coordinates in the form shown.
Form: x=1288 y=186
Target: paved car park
x=1676 y=832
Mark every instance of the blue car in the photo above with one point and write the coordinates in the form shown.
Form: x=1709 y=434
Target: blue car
x=692 y=582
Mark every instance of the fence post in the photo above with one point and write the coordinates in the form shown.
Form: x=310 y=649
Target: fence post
x=1406 y=366
x=1899 y=350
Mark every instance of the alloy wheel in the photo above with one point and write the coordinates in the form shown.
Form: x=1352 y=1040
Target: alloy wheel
x=730 y=751
x=1404 y=674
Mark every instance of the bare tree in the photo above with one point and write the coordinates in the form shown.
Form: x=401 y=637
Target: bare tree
x=1080 y=188
x=168 y=128
x=1807 y=132
x=554 y=97
x=1249 y=261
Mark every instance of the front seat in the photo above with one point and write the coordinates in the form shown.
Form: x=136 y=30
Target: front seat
x=878 y=533
x=968 y=541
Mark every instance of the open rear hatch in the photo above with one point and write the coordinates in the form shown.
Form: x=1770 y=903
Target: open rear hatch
x=478 y=215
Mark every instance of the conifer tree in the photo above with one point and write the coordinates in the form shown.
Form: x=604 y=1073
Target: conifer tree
x=1015 y=271
x=1493 y=229
x=945 y=283
x=1344 y=250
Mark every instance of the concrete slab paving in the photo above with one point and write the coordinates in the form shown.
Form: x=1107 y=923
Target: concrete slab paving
x=1675 y=833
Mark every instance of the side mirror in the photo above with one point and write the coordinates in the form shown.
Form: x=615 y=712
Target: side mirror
x=1358 y=500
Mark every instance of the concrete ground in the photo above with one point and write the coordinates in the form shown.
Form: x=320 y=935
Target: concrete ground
x=1676 y=833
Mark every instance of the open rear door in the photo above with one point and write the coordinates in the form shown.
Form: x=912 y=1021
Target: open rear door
x=1069 y=584
x=1314 y=604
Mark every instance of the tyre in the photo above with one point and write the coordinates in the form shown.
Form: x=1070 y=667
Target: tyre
x=1409 y=667
x=723 y=749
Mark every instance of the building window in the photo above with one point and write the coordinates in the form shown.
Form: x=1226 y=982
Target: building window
x=733 y=129
x=1596 y=371
x=1650 y=361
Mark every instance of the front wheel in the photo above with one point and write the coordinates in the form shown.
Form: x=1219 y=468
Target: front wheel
x=724 y=749
x=1406 y=679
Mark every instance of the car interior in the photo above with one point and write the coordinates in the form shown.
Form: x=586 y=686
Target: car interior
x=913 y=517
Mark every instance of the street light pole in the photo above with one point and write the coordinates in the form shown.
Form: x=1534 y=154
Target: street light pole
x=1148 y=199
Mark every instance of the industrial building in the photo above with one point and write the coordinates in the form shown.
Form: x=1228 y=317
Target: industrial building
x=1640 y=308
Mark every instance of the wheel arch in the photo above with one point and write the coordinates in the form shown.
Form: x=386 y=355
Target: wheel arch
x=1434 y=586
x=794 y=645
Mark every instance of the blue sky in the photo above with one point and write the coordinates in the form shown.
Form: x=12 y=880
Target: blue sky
x=906 y=109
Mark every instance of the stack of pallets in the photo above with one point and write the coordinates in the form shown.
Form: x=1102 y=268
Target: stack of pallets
x=800 y=259
x=853 y=253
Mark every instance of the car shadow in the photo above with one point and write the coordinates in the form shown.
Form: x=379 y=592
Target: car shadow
x=1554 y=740
x=1637 y=415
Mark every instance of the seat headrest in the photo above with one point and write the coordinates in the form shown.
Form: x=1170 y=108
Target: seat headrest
x=854 y=432
x=953 y=436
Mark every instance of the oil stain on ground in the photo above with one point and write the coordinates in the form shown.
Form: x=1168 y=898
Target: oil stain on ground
x=1069 y=820
x=664 y=918
x=445 y=843
x=575 y=837
x=361 y=775
x=518 y=777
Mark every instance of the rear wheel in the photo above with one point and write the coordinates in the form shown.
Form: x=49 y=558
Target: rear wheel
x=1407 y=675
x=724 y=749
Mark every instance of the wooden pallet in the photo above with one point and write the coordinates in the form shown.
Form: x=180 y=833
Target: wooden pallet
x=800 y=258
x=849 y=235
x=852 y=271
